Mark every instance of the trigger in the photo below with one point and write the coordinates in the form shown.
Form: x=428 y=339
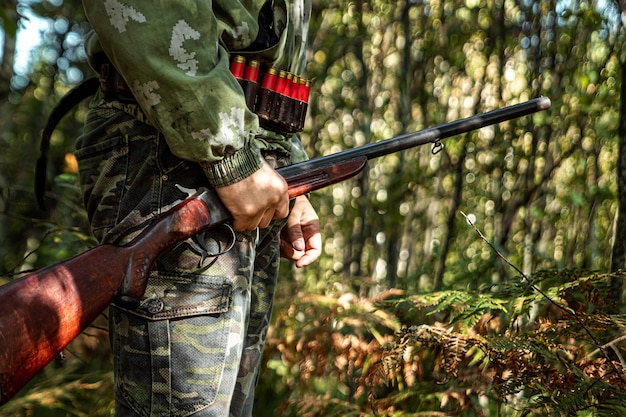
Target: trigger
x=198 y=245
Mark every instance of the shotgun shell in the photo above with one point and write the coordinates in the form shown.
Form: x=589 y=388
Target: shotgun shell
x=266 y=94
x=298 y=103
x=304 y=97
x=252 y=71
x=294 y=92
x=278 y=110
x=250 y=84
x=237 y=67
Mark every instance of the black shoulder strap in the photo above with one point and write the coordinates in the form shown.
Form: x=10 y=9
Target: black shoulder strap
x=85 y=89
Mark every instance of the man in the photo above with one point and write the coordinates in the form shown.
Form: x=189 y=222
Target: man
x=171 y=118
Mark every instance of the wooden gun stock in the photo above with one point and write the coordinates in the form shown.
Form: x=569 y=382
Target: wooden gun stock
x=41 y=313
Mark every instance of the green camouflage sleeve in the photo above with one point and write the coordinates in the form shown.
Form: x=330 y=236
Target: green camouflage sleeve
x=297 y=154
x=171 y=56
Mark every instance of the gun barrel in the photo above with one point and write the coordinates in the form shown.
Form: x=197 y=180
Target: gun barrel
x=421 y=137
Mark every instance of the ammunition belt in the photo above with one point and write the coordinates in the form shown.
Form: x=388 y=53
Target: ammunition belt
x=279 y=98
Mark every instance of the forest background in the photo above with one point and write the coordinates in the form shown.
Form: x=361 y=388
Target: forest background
x=484 y=280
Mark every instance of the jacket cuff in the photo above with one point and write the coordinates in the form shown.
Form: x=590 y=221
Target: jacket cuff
x=235 y=167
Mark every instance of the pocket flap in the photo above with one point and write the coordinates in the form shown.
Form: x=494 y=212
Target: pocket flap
x=170 y=296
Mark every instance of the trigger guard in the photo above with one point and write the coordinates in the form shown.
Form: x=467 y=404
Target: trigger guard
x=231 y=242
x=199 y=243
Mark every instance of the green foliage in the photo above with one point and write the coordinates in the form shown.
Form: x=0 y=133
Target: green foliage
x=27 y=101
x=542 y=187
x=457 y=353
x=8 y=23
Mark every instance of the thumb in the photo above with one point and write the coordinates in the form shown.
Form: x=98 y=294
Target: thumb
x=295 y=237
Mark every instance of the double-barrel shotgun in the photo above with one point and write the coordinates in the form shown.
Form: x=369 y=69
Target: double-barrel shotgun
x=42 y=312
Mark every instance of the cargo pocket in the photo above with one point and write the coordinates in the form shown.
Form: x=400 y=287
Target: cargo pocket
x=103 y=167
x=171 y=352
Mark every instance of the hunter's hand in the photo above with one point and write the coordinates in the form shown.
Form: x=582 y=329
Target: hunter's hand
x=300 y=239
x=256 y=200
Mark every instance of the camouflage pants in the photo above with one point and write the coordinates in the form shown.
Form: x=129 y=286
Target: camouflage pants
x=194 y=345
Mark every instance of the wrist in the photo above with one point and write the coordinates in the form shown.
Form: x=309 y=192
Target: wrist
x=234 y=167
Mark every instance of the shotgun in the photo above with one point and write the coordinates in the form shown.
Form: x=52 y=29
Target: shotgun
x=42 y=312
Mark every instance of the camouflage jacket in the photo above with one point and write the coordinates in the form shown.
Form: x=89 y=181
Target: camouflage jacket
x=174 y=56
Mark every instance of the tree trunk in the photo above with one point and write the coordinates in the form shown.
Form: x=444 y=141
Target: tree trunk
x=618 y=259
